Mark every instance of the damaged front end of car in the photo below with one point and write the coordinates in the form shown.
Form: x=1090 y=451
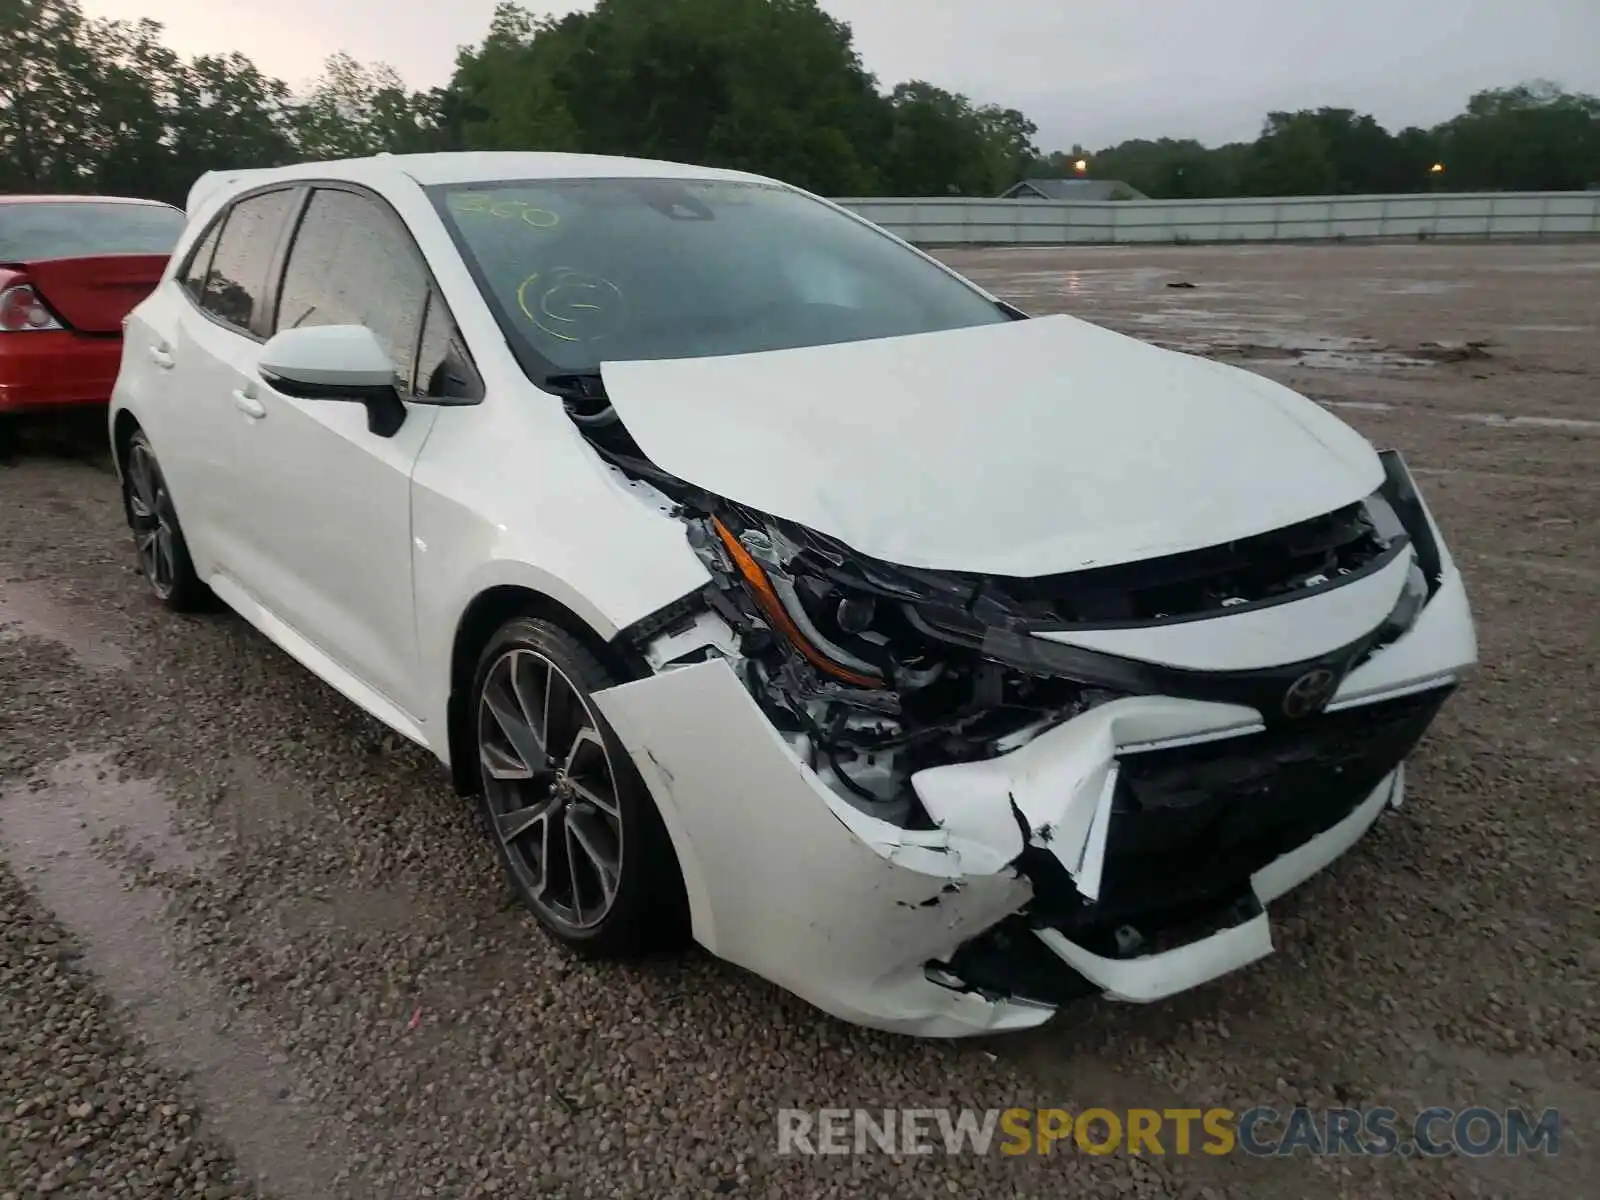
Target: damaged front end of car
x=947 y=803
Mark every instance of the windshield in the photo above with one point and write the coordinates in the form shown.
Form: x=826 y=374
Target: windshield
x=33 y=230
x=584 y=271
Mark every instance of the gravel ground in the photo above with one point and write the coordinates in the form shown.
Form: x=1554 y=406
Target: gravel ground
x=261 y=944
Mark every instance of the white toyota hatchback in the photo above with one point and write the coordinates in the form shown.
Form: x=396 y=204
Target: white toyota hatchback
x=775 y=585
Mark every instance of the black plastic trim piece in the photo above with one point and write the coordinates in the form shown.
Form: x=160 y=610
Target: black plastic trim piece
x=1338 y=581
x=1009 y=960
x=1262 y=689
x=1400 y=490
x=386 y=411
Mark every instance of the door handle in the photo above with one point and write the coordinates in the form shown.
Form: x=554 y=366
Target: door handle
x=248 y=404
x=161 y=358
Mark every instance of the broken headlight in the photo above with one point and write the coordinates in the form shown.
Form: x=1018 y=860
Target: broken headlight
x=839 y=655
x=779 y=600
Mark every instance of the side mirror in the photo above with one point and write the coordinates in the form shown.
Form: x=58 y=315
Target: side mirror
x=336 y=362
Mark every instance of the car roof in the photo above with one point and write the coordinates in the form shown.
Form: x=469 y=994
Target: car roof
x=81 y=199
x=476 y=166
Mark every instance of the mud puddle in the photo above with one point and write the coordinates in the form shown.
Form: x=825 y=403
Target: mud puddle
x=1266 y=339
x=1493 y=420
x=56 y=834
x=27 y=610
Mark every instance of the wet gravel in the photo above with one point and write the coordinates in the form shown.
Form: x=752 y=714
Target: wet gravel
x=263 y=941
x=84 y=1113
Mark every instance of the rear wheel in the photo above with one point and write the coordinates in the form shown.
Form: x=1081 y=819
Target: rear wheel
x=162 y=553
x=8 y=437
x=576 y=828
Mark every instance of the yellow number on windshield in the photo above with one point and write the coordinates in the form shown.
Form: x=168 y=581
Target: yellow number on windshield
x=507 y=210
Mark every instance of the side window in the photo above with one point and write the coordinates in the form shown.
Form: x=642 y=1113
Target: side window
x=237 y=281
x=193 y=279
x=351 y=265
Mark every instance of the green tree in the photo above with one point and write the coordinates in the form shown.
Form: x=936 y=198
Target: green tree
x=354 y=110
x=1292 y=157
x=1534 y=137
x=228 y=114
x=938 y=145
x=105 y=106
x=1008 y=138
x=47 y=91
x=771 y=85
x=508 y=92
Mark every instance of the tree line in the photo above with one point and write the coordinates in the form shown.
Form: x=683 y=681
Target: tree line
x=772 y=86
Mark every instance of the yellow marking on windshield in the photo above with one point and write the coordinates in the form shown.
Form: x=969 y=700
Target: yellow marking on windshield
x=506 y=210
x=563 y=279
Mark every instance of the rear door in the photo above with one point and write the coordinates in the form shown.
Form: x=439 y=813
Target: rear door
x=199 y=348
x=325 y=504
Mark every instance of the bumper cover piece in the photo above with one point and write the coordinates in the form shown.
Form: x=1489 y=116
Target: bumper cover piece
x=1166 y=973
x=1060 y=869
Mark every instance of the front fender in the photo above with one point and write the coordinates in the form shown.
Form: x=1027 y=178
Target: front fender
x=557 y=523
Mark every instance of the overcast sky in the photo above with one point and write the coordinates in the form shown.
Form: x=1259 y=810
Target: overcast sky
x=1089 y=71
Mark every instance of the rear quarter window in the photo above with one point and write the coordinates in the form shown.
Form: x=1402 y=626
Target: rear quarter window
x=193 y=278
x=236 y=284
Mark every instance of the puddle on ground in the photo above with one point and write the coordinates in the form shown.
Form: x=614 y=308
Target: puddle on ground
x=1088 y=281
x=1543 y=481
x=47 y=833
x=1501 y=419
x=364 y=913
x=252 y=803
x=1417 y=287
x=1261 y=338
x=1494 y=420
x=28 y=611
x=104 y=810
x=1363 y=405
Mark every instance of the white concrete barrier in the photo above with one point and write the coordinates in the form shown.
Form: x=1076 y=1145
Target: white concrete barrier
x=1485 y=215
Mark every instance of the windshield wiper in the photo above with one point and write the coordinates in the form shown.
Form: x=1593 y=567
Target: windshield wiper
x=577 y=385
x=584 y=395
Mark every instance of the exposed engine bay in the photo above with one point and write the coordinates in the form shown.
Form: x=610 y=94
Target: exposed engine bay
x=873 y=672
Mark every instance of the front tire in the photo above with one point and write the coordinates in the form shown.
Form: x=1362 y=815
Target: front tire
x=157 y=537
x=576 y=828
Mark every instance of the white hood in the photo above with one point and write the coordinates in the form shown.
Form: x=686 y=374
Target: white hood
x=1026 y=448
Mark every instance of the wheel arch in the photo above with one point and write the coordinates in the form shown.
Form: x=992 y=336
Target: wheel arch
x=484 y=614
x=123 y=426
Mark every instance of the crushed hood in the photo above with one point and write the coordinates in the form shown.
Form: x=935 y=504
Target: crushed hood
x=1026 y=448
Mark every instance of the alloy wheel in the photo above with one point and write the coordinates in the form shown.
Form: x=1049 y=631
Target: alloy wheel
x=150 y=510
x=550 y=787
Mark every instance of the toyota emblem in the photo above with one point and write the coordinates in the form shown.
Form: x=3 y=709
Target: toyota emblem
x=1309 y=693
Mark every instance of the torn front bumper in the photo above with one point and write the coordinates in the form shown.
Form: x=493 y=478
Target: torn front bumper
x=1127 y=851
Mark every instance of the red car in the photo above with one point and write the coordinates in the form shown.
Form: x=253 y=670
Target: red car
x=71 y=268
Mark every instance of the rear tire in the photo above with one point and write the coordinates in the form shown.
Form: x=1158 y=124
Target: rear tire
x=162 y=553
x=8 y=437
x=577 y=831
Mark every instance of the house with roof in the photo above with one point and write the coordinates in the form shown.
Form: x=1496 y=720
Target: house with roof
x=1072 y=189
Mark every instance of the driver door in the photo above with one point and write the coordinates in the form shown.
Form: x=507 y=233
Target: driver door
x=325 y=504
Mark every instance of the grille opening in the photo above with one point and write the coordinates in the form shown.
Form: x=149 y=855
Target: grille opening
x=1263 y=567
x=1190 y=825
x=1191 y=822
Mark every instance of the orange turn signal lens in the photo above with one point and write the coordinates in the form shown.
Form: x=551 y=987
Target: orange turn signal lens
x=761 y=588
